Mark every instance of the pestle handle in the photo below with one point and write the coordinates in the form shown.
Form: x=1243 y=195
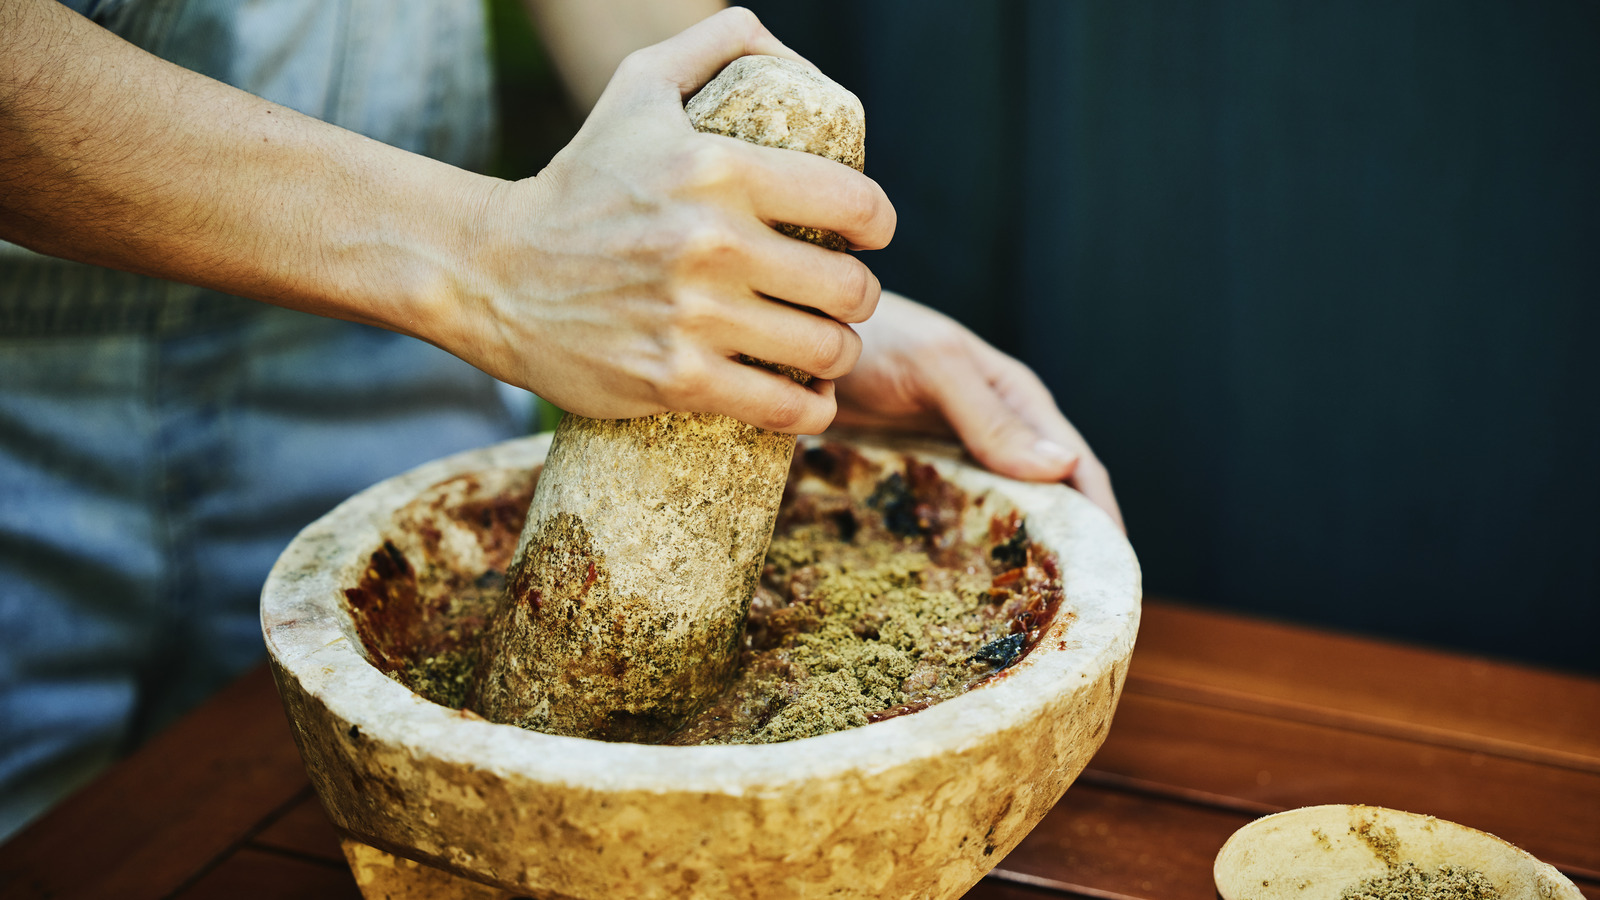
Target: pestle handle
x=776 y=102
x=626 y=599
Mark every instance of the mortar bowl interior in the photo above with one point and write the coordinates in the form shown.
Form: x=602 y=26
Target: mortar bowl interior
x=920 y=805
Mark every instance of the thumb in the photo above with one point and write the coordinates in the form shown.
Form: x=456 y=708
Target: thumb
x=695 y=55
x=993 y=432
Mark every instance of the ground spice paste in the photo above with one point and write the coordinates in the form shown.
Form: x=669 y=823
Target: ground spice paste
x=876 y=600
x=1407 y=882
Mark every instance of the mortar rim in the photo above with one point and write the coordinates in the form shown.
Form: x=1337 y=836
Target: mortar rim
x=311 y=638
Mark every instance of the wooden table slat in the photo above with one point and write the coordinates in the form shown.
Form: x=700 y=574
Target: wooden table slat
x=256 y=874
x=1549 y=811
x=1037 y=886
x=165 y=814
x=303 y=829
x=1108 y=841
x=997 y=889
x=1431 y=689
x=1368 y=723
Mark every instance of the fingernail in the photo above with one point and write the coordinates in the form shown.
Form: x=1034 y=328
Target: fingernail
x=1054 y=452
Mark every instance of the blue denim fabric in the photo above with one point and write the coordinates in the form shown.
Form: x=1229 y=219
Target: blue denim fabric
x=148 y=483
x=161 y=444
x=410 y=73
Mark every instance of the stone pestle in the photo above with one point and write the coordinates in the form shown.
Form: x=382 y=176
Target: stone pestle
x=626 y=599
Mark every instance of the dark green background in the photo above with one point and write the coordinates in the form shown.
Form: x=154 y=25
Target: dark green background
x=1318 y=281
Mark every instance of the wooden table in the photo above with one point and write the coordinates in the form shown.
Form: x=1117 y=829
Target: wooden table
x=1223 y=719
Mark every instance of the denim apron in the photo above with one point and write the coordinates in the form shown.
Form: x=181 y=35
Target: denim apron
x=160 y=444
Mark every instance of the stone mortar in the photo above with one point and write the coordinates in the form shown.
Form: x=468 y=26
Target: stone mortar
x=916 y=806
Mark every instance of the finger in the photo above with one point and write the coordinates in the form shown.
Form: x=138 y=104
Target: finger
x=1021 y=386
x=929 y=422
x=764 y=398
x=1090 y=477
x=836 y=284
x=695 y=55
x=716 y=252
x=1094 y=482
x=805 y=189
x=779 y=333
x=1023 y=390
x=992 y=431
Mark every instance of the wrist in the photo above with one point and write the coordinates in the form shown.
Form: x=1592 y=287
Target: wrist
x=401 y=250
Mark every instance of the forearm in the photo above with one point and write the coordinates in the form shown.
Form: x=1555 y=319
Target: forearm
x=626 y=279
x=587 y=39
x=111 y=156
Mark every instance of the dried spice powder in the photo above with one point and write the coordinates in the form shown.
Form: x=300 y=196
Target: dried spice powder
x=869 y=607
x=1407 y=882
x=843 y=633
x=869 y=610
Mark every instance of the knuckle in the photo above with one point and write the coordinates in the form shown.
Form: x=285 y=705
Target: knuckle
x=788 y=412
x=944 y=340
x=635 y=64
x=835 y=351
x=703 y=241
x=744 y=20
x=861 y=207
x=708 y=165
x=690 y=313
x=684 y=383
x=858 y=292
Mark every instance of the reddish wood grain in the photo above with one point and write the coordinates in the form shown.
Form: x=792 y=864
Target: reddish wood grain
x=155 y=820
x=995 y=888
x=1355 y=681
x=1103 y=840
x=1550 y=811
x=254 y=874
x=303 y=829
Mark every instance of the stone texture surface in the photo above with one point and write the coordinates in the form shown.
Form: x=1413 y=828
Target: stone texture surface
x=918 y=806
x=777 y=102
x=634 y=574
x=384 y=876
x=633 y=578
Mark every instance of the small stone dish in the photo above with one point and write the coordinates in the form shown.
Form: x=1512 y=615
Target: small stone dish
x=1320 y=852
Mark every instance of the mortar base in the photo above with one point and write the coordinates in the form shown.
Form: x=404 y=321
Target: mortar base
x=384 y=876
